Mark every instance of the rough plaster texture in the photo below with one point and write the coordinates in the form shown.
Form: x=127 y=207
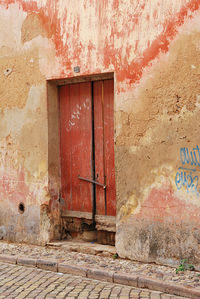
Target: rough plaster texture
x=23 y=122
x=158 y=218
x=153 y=47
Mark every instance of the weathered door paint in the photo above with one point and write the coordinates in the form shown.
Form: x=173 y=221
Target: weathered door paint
x=87 y=147
x=104 y=146
x=76 y=146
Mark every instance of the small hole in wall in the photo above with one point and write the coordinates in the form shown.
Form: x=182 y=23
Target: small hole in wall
x=21 y=208
x=7 y=71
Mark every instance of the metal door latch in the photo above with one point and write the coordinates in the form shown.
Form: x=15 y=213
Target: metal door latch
x=92 y=181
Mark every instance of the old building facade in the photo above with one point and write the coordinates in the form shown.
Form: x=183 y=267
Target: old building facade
x=99 y=106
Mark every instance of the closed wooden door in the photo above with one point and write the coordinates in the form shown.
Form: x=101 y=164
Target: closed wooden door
x=87 y=148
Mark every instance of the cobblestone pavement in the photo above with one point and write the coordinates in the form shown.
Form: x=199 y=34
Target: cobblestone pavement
x=20 y=282
x=163 y=273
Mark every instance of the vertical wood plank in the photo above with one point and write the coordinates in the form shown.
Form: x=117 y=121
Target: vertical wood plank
x=99 y=150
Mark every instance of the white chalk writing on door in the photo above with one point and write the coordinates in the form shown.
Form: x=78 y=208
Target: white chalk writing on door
x=76 y=114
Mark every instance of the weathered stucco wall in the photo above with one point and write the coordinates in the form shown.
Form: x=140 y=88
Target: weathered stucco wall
x=24 y=54
x=153 y=47
x=159 y=205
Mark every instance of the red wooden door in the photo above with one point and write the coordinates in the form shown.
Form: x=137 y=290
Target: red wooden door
x=76 y=146
x=87 y=147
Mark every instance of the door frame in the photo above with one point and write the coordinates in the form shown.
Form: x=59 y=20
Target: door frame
x=54 y=163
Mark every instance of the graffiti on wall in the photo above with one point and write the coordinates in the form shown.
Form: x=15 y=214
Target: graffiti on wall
x=187 y=176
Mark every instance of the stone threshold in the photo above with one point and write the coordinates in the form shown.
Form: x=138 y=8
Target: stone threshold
x=104 y=275
x=83 y=247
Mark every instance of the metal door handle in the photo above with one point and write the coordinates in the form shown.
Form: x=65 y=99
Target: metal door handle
x=92 y=181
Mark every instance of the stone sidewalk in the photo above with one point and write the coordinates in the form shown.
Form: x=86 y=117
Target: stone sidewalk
x=102 y=265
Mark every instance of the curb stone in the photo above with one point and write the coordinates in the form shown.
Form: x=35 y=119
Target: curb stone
x=47 y=265
x=23 y=261
x=126 y=279
x=156 y=285
x=11 y=259
x=108 y=276
x=100 y=274
x=69 y=269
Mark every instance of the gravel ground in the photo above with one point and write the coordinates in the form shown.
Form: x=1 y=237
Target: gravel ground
x=164 y=273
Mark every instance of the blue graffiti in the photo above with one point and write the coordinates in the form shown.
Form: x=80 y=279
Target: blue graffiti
x=186 y=176
x=187 y=180
x=192 y=157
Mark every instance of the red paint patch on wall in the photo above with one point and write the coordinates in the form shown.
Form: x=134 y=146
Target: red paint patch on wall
x=162 y=205
x=15 y=189
x=159 y=45
x=112 y=56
